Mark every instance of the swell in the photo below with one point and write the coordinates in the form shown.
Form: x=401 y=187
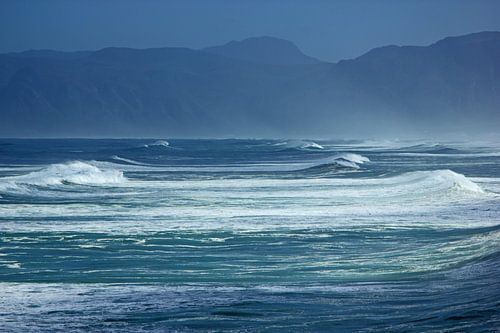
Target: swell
x=431 y=148
x=86 y=173
x=124 y=160
x=298 y=145
x=435 y=180
x=62 y=174
x=339 y=161
x=158 y=144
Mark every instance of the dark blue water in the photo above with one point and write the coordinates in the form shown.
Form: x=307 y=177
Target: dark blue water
x=249 y=235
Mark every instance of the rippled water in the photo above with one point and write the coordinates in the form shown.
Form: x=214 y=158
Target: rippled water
x=248 y=235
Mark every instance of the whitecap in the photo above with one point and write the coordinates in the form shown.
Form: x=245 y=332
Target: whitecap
x=344 y=160
x=128 y=161
x=13 y=265
x=158 y=143
x=75 y=172
x=300 y=144
x=449 y=178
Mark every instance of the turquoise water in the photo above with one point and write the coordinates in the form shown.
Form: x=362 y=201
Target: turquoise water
x=249 y=235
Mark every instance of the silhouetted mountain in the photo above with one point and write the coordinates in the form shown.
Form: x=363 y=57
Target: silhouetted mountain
x=263 y=50
x=452 y=85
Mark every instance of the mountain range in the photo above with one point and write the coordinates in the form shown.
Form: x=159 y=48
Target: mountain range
x=258 y=87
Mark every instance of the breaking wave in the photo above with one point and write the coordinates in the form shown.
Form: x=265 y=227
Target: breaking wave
x=344 y=160
x=158 y=143
x=75 y=172
x=300 y=144
x=438 y=180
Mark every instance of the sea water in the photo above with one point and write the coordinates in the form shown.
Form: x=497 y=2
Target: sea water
x=249 y=235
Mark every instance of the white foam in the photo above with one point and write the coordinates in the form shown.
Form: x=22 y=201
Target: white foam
x=312 y=145
x=300 y=144
x=75 y=172
x=13 y=265
x=448 y=178
x=440 y=198
x=348 y=160
x=158 y=143
x=128 y=161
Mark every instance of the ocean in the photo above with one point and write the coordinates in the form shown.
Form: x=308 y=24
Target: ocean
x=249 y=236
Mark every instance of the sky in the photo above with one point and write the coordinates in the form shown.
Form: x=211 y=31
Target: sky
x=328 y=30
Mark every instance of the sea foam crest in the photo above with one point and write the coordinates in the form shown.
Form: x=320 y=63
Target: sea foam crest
x=450 y=179
x=344 y=160
x=350 y=160
x=75 y=172
x=300 y=144
x=158 y=143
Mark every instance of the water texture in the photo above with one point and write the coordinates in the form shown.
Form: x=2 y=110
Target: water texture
x=249 y=235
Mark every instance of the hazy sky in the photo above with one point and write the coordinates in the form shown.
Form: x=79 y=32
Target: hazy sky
x=329 y=30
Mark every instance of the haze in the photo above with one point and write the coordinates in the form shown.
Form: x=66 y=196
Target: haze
x=246 y=69
x=328 y=30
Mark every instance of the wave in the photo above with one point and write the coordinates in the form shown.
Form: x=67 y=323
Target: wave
x=344 y=160
x=434 y=148
x=75 y=172
x=336 y=162
x=128 y=161
x=300 y=144
x=158 y=143
x=447 y=178
x=448 y=155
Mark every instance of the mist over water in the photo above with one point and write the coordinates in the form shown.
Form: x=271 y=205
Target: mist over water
x=270 y=235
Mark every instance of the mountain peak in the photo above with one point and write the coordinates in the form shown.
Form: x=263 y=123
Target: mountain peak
x=263 y=50
x=476 y=37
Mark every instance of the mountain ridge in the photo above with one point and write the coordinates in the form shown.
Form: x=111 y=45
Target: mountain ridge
x=263 y=50
x=445 y=86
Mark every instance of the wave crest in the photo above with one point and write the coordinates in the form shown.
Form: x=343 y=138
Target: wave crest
x=127 y=161
x=344 y=160
x=300 y=144
x=75 y=172
x=158 y=143
x=435 y=148
x=448 y=178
